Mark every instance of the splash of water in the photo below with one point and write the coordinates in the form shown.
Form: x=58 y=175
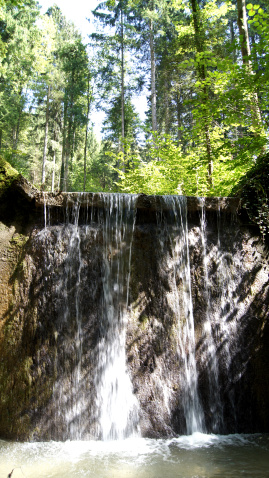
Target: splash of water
x=180 y=264
x=115 y=410
x=116 y=403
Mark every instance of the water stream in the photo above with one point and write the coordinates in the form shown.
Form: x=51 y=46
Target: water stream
x=87 y=264
x=116 y=404
x=175 y=227
x=210 y=350
x=193 y=456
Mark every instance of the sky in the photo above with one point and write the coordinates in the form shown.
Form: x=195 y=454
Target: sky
x=78 y=11
x=75 y=10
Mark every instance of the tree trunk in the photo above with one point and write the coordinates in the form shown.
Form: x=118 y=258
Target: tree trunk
x=71 y=129
x=209 y=158
x=178 y=113
x=166 y=105
x=243 y=31
x=232 y=37
x=245 y=52
x=67 y=153
x=43 y=176
x=86 y=133
x=72 y=148
x=152 y=74
x=122 y=88
x=54 y=165
x=16 y=132
x=62 y=176
x=202 y=73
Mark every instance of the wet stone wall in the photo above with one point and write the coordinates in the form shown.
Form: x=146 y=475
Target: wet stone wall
x=154 y=307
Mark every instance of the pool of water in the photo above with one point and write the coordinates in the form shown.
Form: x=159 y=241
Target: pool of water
x=194 y=456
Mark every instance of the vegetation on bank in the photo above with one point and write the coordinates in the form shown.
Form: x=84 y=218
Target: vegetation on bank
x=7 y=176
x=203 y=66
x=253 y=190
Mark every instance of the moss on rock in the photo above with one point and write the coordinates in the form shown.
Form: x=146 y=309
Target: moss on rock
x=7 y=176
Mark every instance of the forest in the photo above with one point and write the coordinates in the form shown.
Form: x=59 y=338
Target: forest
x=202 y=64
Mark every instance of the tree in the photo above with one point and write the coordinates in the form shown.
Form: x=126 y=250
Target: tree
x=204 y=62
x=246 y=58
x=20 y=36
x=75 y=67
x=112 y=46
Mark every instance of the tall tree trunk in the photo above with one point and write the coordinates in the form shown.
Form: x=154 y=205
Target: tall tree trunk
x=72 y=149
x=89 y=97
x=166 y=104
x=178 y=113
x=122 y=87
x=70 y=130
x=202 y=73
x=245 y=52
x=67 y=153
x=43 y=176
x=152 y=73
x=16 y=132
x=54 y=165
x=232 y=37
x=62 y=175
x=243 y=31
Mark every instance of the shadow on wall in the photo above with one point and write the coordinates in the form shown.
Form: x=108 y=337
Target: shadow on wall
x=230 y=293
x=47 y=362
x=232 y=316
x=52 y=330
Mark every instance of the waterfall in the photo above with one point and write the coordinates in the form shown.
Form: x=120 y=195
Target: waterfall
x=129 y=317
x=176 y=228
x=227 y=316
x=114 y=410
x=101 y=405
x=116 y=404
x=63 y=246
x=209 y=357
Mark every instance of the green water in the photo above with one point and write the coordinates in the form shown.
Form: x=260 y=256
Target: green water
x=195 y=456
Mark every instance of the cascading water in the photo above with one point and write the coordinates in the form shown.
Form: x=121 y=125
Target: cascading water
x=63 y=252
x=114 y=407
x=133 y=316
x=101 y=405
x=117 y=296
x=209 y=356
x=176 y=229
x=116 y=404
x=227 y=279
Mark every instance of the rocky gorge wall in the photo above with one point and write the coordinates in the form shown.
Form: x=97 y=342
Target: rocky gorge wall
x=53 y=302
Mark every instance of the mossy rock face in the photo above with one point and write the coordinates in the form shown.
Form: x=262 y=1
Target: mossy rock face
x=7 y=176
x=26 y=372
x=16 y=383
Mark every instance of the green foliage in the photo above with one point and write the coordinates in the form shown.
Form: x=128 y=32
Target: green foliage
x=253 y=190
x=112 y=125
x=211 y=103
x=170 y=170
x=7 y=176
